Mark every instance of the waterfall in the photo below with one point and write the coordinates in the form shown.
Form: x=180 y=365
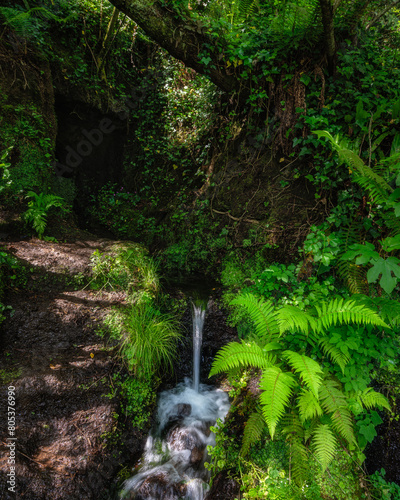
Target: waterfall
x=199 y=314
x=172 y=467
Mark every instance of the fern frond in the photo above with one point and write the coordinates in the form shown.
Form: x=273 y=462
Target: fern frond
x=294 y=431
x=388 y=309
x=292 y=426
x=336 y=355
x=324 y=444
x=341 y=311
x=307 y=367
x=342 y=423
x=334 y=402
x=308 y=405
x=299 y=461
x=252 y=432
x=277 y=388
x=235 y=355
x=371 y=399
x=331 y=397
x=355 y=277
x=262 y=314
x=292 y=318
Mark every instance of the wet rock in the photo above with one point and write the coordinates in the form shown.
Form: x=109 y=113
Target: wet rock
x=183 y=410
x=158 y=487
x=184 y=439
x=196 y=456
x=180 y=411
x=223 y=488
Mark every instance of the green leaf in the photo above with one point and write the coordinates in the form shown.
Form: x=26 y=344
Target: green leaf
x=391 y=243
x=385 y=267
x=277 y=388
x=364 y=253
x=308 y=368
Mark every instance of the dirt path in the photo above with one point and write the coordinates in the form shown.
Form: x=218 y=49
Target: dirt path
x=61 y=371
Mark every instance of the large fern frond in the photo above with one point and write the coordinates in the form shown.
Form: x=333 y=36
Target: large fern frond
x=252 y=432
x=345 y=311
x=336 y=355
x=371 y=399
x=235 y=355
x=293 y=319
x=388 y=309
x=277 y=388
x=355 y=277
x=342 y=423
x=294 y=431
x=308 y=369
x=324 y=444
x=308 y=405
x=331 y=397
x=334 y=402
x=262 y=314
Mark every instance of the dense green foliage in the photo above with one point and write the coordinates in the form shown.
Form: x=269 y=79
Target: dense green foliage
x=207 y=181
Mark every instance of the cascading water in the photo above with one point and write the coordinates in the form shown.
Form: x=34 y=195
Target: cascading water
x=172 y=467
x=198 y=314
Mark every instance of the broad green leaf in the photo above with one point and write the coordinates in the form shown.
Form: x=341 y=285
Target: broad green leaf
x=362 y=253
x=385 y=267
x=391 y=243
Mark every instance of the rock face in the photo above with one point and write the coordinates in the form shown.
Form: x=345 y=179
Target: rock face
x=158 y=486
x=223 y=488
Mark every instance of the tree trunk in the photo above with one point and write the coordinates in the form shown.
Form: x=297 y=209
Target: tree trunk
x=329 y=33
x=101 y=58
x=184 y=39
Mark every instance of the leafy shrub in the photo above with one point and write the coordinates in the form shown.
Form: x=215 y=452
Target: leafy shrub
x=139 y=398
x=126 y=267
x=314 y=409
x=382 y=490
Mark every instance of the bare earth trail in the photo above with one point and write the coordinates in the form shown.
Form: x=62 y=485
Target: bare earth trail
x=62 y=372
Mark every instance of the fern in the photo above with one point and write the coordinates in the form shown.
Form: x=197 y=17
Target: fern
x=292 y=318
x=308 y=405
x=252 y=432
x=262 y=314
x=336 y=355
x=39 y=206
x=341 y=311
x=235 y=355
x=277 y=388
x=307 y=367
x=334 y=403
x=28 y=23
x=293 y=429
x=324 y=444
x=371 y=399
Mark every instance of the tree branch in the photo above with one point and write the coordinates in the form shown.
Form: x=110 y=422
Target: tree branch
x=183 y=38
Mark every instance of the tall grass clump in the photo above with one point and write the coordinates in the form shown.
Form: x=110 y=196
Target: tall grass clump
x=149 y=340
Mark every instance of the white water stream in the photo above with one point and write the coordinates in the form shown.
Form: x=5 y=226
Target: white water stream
x=172 y=467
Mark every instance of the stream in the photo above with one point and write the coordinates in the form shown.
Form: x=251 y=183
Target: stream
x=172 y=466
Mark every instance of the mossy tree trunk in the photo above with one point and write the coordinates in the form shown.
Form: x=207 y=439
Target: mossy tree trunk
x=183 y=38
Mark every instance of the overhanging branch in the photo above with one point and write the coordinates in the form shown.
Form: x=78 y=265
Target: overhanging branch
x=183 y=38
